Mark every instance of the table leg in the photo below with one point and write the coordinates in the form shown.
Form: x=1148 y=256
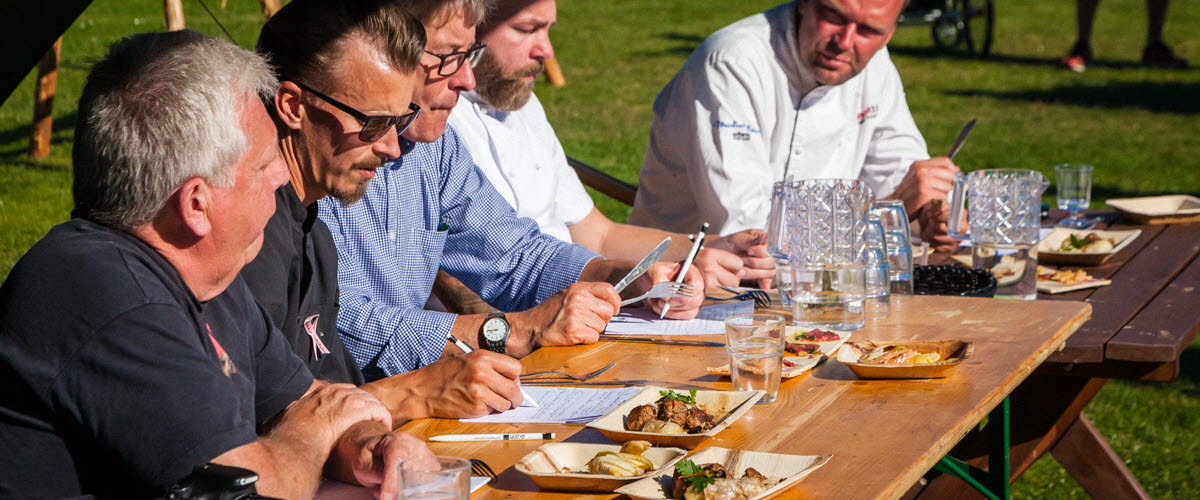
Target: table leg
x=1087 y=456
x=1044 y=409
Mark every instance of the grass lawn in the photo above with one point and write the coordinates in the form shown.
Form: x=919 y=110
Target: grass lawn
x=1136 y=125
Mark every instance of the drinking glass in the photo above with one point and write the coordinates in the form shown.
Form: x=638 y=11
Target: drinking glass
x=894 y=219
x=777 y=242
x=434 y=478
x=875 y=260
x=1074 y=193
x=755 y=345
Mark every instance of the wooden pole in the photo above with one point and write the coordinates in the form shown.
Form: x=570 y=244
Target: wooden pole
x=173 y=11
x=554 y=73
x=270 y=7
x=43 y=102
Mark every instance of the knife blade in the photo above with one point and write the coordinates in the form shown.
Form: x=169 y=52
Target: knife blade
x=645 y=263
x=625 y=338
x=962 y=138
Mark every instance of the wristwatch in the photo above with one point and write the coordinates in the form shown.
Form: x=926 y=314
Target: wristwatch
x=493 y=335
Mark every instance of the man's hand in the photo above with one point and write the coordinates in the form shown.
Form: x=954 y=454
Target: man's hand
x=368 y=455
x=926 y=180
x=748 y=247
x=576 y=315
x=467 y=386
x=933 y=218
x=681 y=307
x=334 y=408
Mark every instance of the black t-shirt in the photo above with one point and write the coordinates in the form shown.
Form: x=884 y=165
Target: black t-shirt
x=116 y=380
x=294 y=278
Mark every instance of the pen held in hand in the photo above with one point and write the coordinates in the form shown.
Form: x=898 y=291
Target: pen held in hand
x=466 y=349
x=687 y=264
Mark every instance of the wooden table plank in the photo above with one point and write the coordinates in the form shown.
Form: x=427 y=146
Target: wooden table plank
x=884 y=435
x=1164 y=328
x=1133 y=287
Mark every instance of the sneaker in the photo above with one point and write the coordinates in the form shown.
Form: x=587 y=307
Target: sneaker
x=1160 y=55
x=1078 y=58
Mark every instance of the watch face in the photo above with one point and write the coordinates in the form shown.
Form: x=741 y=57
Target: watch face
x=495 y=329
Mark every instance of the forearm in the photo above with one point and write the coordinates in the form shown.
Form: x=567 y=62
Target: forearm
x=288 y=461
x=353 y=452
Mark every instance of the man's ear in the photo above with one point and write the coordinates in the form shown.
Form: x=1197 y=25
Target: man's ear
x=194 y=202
x=288 y=108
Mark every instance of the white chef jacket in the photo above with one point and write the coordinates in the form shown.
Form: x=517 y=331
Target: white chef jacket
x=743 y=113
x=520 y=154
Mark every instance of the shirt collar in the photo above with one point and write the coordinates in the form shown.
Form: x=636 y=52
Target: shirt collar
x=784 y=39
x=475 y=99
x=294 y=207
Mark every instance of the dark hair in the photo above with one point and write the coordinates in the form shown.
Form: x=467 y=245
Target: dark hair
x=304 y=39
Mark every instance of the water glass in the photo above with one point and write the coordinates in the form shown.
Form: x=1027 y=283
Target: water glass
x=875 y=261
x=777 y=242
x=755 y=345
x=894 y=219
x=829 y=297
x=434 y=478
x=1074 y=182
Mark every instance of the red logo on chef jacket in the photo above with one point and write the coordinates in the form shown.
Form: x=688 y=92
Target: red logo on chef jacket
x=226 y=363
x=870 y=112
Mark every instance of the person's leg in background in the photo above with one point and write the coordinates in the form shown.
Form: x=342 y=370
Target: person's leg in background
x=1081 y=52
x=1157 y=53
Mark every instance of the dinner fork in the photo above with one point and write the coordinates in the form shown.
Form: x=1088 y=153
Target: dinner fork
x=666 y=289
x=760 y=297
x=586 y=376
x=481 y=468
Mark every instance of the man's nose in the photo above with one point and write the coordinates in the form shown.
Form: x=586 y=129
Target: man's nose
x=844 y=38
x=463 y=80
x=387 y=146
x=542 y=48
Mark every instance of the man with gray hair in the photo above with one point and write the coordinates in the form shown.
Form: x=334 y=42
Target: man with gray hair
x=131 y=349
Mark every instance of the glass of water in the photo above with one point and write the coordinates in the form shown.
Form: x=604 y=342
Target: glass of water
x=435 y=478
x=777 y=242
x=755 y=344
x=875 y=260
x=1074 y=182
x=829 y=297
x=894 y=219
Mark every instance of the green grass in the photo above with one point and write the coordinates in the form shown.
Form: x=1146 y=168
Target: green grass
x=1136 y=125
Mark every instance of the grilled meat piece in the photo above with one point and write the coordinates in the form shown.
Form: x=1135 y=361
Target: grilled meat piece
x=698 y=421
x=639 y=416
x=673 y=410
x=750 y=472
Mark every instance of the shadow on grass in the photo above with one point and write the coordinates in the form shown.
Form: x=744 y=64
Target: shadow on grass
x=1008 y=59
x=19 y=136
x=1189 y=369
x=683 y=44
x=1160 y=97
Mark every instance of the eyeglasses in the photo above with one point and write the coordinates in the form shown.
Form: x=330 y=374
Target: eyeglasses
x=373 y=126
x=452 y=62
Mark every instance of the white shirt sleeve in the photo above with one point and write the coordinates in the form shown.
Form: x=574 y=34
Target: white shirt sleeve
x=571 y=201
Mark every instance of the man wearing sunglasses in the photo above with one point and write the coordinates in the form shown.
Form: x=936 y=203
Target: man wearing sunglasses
x=433 y=209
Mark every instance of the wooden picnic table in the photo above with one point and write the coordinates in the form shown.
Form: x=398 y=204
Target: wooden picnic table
x=1140 y=326
x=883 y=434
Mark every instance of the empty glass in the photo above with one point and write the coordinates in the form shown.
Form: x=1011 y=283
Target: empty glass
x=1074 y=182
x=875 y=260
x=894 y=219
x=755 y=345
x=434 y=478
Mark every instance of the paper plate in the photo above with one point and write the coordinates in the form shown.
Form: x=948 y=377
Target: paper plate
x=561 y=466
x=725 y=406
x=786 y=469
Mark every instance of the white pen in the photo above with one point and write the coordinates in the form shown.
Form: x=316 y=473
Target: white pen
x=455 y=438
x=687 y=264
x=466 y=349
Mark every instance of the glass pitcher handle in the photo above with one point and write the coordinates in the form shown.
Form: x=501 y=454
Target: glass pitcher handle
x=957 y=200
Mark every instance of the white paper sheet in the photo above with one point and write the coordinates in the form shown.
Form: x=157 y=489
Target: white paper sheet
x=710 y=321
x=336 y=490
x=572 y=405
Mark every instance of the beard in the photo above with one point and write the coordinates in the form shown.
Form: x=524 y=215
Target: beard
x=505 y=92
x=350 y=195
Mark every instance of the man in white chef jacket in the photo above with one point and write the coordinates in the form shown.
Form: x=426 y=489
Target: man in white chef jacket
x=805 y=90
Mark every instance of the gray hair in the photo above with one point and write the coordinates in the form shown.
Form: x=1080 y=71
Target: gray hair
x=159 y=109
x=428 y=11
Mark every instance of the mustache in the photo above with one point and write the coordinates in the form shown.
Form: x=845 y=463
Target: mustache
x=533 y=69
x=371 y=163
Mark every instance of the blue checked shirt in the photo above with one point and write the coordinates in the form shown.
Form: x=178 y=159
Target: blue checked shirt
x=434 y=208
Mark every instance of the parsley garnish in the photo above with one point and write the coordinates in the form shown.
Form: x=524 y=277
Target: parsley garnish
x=1077 y=242
x=689 y=399
x=693 y=475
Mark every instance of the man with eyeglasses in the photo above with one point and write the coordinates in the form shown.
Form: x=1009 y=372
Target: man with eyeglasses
x=434 y=209
x=505 y=128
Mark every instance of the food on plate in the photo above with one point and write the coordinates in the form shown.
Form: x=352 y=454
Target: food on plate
x=713 y=482
x=673 y=413
x=801 y=348
x=817 y=335
x=893 y=355
x=627 y=462
x=1089 y=243
x=1064 y=276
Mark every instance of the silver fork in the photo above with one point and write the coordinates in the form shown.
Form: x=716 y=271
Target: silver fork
x=586 y=376
x=666 y=289
x=481 y=468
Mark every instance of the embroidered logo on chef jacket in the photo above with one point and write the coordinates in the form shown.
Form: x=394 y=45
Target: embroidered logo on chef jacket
x=741 y=131
x=869 y=112
x=318 y=347
x=226 y=363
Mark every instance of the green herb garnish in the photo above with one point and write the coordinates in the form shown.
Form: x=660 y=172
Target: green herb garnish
x=669 y=394
x=1077 y=243
x=693 y=475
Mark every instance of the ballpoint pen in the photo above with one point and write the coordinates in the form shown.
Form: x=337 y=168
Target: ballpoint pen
x=687 y=264
x=466 y=349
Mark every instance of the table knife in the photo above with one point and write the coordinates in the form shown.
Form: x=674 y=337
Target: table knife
x=642 y=266
x=962 y=138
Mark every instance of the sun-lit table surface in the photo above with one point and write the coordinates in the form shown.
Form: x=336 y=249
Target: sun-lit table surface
x=883 y=435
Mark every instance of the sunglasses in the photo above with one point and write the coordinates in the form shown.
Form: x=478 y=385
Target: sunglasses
x=373 y=126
